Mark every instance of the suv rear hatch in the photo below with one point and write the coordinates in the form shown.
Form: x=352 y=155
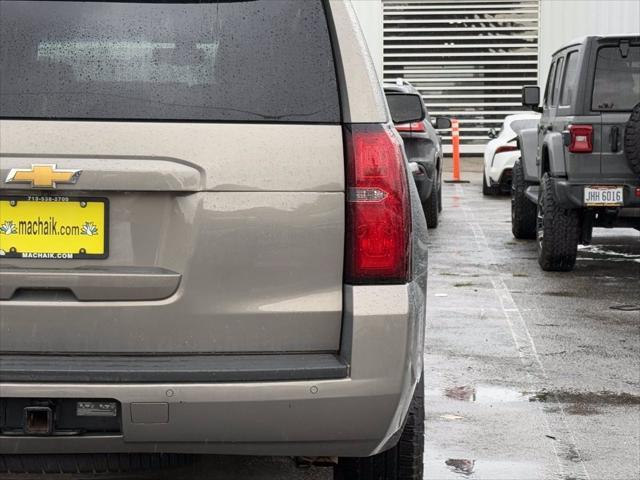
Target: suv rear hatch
x=188 y=157
x=616 y=90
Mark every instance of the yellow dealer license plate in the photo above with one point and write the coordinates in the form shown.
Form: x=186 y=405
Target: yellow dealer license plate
x=53 y=227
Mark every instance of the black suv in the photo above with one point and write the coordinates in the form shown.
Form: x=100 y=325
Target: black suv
x=423 y=147
x=581 y=167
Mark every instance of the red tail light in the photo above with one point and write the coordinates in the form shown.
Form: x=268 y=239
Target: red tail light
x=378 y=209
x=411 y=127
x=581 y=138
x=506 y=148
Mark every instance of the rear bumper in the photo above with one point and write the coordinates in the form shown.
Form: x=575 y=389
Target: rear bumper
x=357 y=415
x=570 y=194
x=502 y=162
x=123 y=369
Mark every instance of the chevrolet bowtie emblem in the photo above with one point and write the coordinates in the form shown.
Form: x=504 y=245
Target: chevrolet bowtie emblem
x=43 y=176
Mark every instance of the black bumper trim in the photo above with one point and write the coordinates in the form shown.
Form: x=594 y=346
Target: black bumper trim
x=170 y=368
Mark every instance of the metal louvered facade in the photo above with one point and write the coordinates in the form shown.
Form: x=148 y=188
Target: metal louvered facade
x=468 y=58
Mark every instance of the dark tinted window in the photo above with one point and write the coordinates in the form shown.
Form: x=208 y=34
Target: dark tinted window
x=556 y=82
x=617 y=79
x=405 y=107
x=569 y=83
x=255 y=60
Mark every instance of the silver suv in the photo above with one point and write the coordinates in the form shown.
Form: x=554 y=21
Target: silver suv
x=208 y=240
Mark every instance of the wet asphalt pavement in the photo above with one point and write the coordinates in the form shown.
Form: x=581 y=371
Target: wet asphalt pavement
x=529 y=375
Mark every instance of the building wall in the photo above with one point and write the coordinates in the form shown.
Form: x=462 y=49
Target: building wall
x=370 y=16
x=468 y=58
x=564 y=20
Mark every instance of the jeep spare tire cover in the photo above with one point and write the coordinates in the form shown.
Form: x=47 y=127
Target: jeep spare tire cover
x=632 y=140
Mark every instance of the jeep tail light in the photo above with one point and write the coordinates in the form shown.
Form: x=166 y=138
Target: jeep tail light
x=506 y=148
x=411 y=127
x=378 y=228
x=581 y=138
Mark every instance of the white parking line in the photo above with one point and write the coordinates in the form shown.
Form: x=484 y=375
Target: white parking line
x=524 y=343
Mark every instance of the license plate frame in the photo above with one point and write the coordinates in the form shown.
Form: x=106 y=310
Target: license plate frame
x=67 y=253
x=597 y=196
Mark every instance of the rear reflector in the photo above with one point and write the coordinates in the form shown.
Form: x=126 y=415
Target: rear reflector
x=581 y=138
x=506 y=148
x=378 y=208
x=411 y=127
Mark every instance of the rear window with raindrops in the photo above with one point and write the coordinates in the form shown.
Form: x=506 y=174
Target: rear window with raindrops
x=235 y=61
x=616 y=85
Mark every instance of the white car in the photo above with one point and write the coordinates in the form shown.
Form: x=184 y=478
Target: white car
x=501 y=153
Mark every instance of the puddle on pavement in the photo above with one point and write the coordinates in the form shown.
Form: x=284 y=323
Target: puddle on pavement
x=580 y=409
x=598 y=251
x=579 y=403
x=461 y=465
x=586 y=398
x=560 y=294
x=484 y=394
x=626 y=308
x=450 y=274
x=442 y=468
x=583 y=409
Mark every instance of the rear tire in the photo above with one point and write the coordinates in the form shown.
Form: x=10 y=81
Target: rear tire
x=430 y=207
x=632 y=140
x=402 y=462
x=557 y=232
x=523 y=211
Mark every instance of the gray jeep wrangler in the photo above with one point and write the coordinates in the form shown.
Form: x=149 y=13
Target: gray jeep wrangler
x=581 y=167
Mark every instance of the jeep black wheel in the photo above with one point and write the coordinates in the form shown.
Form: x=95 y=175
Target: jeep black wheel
x=557 y=231
x=632 y=140
x=402 y=462
x=523 y=211
x=430 y=207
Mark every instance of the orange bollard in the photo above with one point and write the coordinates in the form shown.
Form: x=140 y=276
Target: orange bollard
x=455 y=144
x=455 y=148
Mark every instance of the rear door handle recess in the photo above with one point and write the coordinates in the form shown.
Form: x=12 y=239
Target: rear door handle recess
x=106 y=284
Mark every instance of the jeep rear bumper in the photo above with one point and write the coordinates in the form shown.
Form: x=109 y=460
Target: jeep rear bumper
x=356 y=415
